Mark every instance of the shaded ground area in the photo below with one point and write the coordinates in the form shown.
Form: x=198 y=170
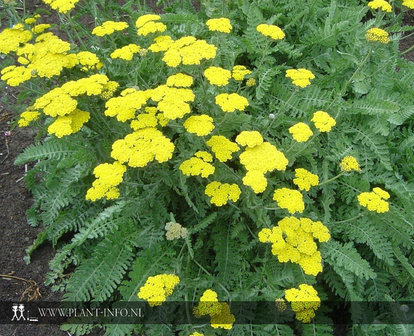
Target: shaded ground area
x=18 y=281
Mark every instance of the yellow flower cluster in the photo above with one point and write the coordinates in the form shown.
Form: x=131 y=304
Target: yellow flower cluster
x=408 y=3
x=221 y=193
x=108 y=177
x=88 y=61
x=45 y=58
x=180 y=80
x=289 y=199
x=126 y=53
x=109 y=89
x=147 y=24
x=217 y=76
x=175 y=231
x=271 y=31
x=301 y=132
x=187 y=50
x=206 y=156
x=349 y=163
x=27 y=117
x=219 y=312
x=294 y=240
x=109 y=27
x=200 y=124
x=141 y=147
x=231 y=102
x=196 y=334
x=249 y=138
x=251 y=82
x=222 y=147
x=32 y=20
x=239 y=72
x=377 y=35
x=258 y=160
x=62 y=6
x=173 y=102
x=220 y=24
x=305 y=179
x=157 y=288
x=125 y=106
x=12 y=38
x=151 y=118
x=323 y=121
x=69 y=123
x=56 y=102
x=375 y=200
x=198 y=165
x=304 y=302
x=59 y=102
x=381 y=4
x=92 y=86
x=300 y=77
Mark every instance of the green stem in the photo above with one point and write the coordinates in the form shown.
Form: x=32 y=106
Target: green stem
x=282 y=109
x=331 y=179
x=407 y=51
x=264 y=54
x=356 y=71
x=207 y=272
x=347 y=220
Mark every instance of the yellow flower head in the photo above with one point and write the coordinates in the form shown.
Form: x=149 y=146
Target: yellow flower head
x=200 y=125
x=27 y=117
x=264 y=157
x=147 y=24
x=109 y=27
x=108 y=177
x=180 y=80
x=157 y=288
x=249 y=138
x=271 y=31
x=69 y=123
x=143 y=146
x=301 y=132
x=305 y=179
x=217 y=76
x=323 y=121
x=222 y=147
x=381 y=4
x=377 y=35
x=186 y=50
x=375 y=200
x=196 y=167
x=126 y=53
x=304 y=301
x=220 y=25
x=206 y=156
x=256 y=180
x=300 y=77
x=289 y=199
x=408 y=3
x=239 y=72
x=221 y=193
x=293 y=240
x=231 y=102
x=62 y=6
x=349 y=163
x=219 y=312
x=251 y=82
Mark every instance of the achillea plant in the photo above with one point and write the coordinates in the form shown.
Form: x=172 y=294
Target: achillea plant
x=249 y=122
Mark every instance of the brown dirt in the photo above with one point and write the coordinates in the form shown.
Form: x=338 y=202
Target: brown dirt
x=17 y=235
